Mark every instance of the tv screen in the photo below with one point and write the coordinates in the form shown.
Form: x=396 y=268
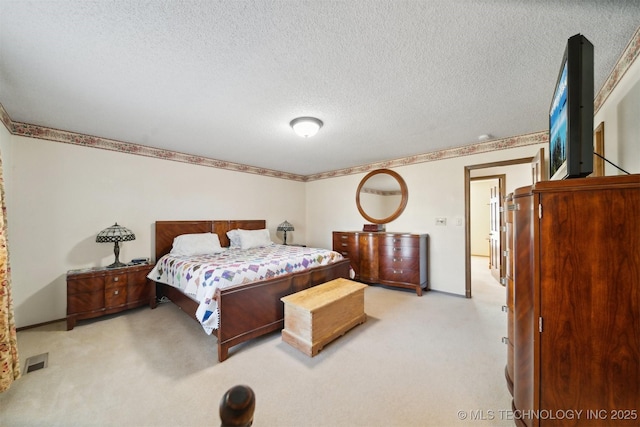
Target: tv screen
x=571 y=113
x=558 y=127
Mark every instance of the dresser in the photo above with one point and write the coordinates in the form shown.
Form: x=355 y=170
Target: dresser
x=576 y=299
x=95 y=292
x=393 y=259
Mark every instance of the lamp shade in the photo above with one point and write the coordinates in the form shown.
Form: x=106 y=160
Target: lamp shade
x=115 y=234
x=285 y=226
x=306 y=126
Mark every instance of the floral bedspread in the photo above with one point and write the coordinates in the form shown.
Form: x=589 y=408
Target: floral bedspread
x=199 y=276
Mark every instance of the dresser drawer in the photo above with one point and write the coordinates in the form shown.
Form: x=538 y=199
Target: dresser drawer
x=399 y=240
x=346 y=244
x=402 y=275
x=399 y=251
x=400 y=262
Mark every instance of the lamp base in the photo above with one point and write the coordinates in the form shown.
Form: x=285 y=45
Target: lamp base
x=116 y=252
x=117 y=264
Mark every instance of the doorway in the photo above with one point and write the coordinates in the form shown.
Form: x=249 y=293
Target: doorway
x=467 y=211
x=487 y=239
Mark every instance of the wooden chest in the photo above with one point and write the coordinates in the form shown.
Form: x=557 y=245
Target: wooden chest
x=316 y=316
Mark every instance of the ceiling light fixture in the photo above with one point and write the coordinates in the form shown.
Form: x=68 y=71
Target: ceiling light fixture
x=485 y=137
x=306 y=126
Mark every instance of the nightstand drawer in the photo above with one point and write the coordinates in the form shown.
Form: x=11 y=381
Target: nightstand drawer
x=83 y=285
x=139 y=288
x=115 y=294
x=85 y=301
x=116 y=280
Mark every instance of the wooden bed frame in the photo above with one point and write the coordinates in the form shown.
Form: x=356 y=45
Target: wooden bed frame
x=246 y=311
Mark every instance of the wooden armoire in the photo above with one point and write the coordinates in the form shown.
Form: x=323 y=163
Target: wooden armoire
x=573 y=283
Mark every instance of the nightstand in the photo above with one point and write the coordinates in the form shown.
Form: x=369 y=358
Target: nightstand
x=95 y=292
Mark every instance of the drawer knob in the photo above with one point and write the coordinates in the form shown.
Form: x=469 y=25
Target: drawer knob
x=115 y=279
x=397 y=249
x=397 y=271
x=116 y=292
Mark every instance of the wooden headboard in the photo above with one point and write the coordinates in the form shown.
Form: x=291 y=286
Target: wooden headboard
x=166 y=231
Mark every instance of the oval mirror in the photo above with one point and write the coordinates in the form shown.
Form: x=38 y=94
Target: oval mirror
x=381 y=196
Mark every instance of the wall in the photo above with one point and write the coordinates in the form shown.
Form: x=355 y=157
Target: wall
x=620 y=114
x=436 y=189
x=59 y=196
x=515 y=175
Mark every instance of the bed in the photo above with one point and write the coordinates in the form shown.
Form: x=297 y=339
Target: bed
x=248 y=310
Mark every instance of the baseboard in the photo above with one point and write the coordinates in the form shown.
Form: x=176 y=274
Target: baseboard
x=37 y=325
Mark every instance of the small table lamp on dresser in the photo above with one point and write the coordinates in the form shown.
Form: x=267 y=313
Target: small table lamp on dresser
x=116 y=234
x=284 y=227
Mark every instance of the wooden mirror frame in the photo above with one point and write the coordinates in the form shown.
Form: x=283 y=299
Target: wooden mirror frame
x=403 y=201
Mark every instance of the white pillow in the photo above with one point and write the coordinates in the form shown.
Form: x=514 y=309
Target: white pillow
x=254 y=238
x=234 y=238
x=196 y=244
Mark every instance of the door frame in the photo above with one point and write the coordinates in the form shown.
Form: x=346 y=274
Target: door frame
x=467 y=211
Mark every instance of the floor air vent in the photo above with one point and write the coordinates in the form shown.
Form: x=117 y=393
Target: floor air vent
x=34 y=363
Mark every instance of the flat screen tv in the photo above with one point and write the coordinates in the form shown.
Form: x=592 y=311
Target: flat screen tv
x=571 y=113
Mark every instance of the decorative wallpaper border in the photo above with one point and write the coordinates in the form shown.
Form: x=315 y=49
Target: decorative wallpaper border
x=56 y=135
x=629 y=55
x=627 y=58
x=466 y=150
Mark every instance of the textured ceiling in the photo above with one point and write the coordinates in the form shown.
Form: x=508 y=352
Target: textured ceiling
x=223 y=79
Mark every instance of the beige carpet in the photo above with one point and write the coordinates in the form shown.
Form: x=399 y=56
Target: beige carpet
x=415 y=362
